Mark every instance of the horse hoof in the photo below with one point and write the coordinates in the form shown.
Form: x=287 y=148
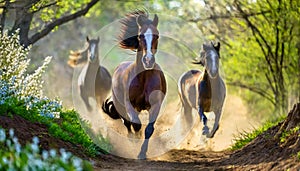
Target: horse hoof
x=131 y=136
x=138 y=135
x=205 y=130
x=142 y=156
x=212 y=134
x=89 y=108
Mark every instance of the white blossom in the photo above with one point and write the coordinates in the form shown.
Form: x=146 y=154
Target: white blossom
x=2 y=135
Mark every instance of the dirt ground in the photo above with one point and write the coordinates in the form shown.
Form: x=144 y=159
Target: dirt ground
x=261 y=154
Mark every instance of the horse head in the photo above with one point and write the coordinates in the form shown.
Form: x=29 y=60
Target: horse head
x=92 y=50
x=209 y=58
x=148 y=40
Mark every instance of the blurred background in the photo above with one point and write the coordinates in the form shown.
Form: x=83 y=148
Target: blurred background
x=260 y=48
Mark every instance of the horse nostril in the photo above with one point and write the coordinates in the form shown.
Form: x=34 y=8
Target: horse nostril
x=148 y=59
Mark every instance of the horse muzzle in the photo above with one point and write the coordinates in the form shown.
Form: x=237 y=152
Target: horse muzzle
x=92 y=58
x=213 y=71
x=148 y=62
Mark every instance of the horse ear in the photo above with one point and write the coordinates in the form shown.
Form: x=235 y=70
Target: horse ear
x=98 y=39
x=140 y=20
x=87 y=38
x=217 y=47
x=155 y=20
x=204 y=46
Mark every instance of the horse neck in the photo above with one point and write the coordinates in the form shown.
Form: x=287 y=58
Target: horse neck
x=92 y=67
x=206 y=76
x=138 y=60
x=213 y=81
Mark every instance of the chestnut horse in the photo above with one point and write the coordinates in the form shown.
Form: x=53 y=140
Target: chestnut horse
x=204 y=91
x=138 y=85
x=94 y=80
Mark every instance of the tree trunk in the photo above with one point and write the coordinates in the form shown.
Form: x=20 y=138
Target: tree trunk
x=292 y=120
x=23 y=21
x=298 y=86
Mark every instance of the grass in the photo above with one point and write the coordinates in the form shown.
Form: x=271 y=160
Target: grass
x=286 y=134
x=67 y=127
x=244 y=138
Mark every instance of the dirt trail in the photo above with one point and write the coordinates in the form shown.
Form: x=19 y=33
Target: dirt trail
x=170 y=132
x=263 y=153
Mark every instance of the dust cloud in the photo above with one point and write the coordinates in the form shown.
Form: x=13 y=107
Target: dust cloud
x=171 y=130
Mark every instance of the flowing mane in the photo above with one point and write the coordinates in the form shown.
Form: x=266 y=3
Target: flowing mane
x=128 y=38
x=78 y=57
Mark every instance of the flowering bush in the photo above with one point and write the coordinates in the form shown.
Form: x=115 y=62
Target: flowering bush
x=15 y=82
x=21 y=94
x=15 y=157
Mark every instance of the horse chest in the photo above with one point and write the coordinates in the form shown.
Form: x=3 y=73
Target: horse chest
x=141 y=88
x=204 y=89
x=138 y=96
x=205 y=94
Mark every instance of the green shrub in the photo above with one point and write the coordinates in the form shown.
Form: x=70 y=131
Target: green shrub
x=30 y=157
x=16 y=83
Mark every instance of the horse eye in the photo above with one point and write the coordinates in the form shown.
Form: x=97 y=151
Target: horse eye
x=141 y=36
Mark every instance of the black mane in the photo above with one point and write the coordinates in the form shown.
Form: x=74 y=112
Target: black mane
x=128 y=38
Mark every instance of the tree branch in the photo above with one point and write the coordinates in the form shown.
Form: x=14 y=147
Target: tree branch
x=270 y=83
x=256 y=90
x=45 y=6
x=219 y=37
x=228 y=16
x=252 y=26
x=3 y=16
x=20 y=4
x=34 y=38
x=256 y=32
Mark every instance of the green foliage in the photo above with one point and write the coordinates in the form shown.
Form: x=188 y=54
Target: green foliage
x=287 y=134
x=244 y=138
x=49 y=11
x=69 y=129
x=30 y=157
x=260 y=44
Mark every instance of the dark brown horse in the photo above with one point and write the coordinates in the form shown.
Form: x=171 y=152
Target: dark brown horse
x=138 y=85
x=204 y=91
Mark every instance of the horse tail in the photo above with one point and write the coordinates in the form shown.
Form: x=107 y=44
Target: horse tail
x=109 y=108
x=75 y=58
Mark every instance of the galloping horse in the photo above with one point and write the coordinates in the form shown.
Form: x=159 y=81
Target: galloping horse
x=94 y=80
x=138 y=85
x=204 y=91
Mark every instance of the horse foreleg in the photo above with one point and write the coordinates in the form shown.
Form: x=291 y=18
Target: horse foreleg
x=203 y=118
x=133 y=117
x=127 y=124
x=216 y=124
x=148 y=133
x=85 y=99
x=155 y=100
